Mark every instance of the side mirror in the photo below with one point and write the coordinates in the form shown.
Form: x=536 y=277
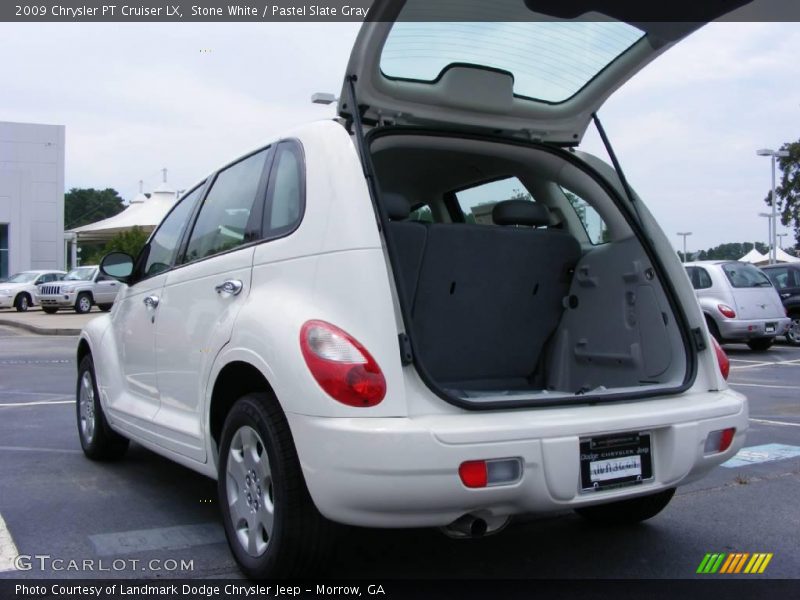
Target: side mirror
x=117 y=265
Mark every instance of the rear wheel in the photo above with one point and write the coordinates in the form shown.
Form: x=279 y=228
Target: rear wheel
x=793 y=335
x=83 y=304
x=22 y=302
x=272 y=525
x=98 y=440
x=105 y=307
x=760 y=344
x=49 y=310
x=627 y=512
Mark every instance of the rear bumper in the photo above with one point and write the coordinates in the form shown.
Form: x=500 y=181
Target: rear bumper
x=740 y=329
x=403 y=472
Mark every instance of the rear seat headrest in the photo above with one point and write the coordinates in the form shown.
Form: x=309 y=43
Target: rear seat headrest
x=520 y=212
x=397 y=207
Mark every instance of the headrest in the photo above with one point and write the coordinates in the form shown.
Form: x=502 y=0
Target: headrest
x=520 y=212
x=396 y=206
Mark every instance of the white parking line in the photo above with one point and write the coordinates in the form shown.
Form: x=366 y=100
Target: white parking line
x=765 y=385
x=8 y=549
x=27 y=449
x=770 y=422
x=11 y=404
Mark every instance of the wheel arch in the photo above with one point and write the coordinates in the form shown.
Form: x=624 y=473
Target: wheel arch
x=233 y=381
x=84 y=349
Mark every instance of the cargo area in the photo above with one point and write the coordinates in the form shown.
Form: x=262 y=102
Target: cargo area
x=519 y=276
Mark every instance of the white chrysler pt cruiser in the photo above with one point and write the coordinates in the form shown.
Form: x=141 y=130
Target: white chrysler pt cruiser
x=432 y=311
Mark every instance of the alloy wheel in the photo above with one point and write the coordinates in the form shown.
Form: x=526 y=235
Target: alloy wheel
x=249 y=491
x=86 y=401
x=793 y=335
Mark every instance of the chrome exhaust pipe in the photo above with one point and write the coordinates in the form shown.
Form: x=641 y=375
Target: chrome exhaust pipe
x=466 y=526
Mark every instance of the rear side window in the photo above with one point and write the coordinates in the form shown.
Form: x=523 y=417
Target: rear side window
x=701 y=280
x=784 y=277
x=286 y=192
x=477 y=202
x=163 y=245
x=592 y=222
x=422 y=214
x=224 y=219
x=742 y=275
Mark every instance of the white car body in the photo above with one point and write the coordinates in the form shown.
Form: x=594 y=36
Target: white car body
x=178 y=348
x=10 y=292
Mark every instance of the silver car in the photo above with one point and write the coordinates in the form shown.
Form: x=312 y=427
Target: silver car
x=739 y=302
x=80 y=289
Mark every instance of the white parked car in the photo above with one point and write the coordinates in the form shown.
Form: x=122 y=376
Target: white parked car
x=351 y=324
x=19 y=290
x=80 y=289
x=739 y=302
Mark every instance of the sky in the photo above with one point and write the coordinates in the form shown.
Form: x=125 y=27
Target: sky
x=192 y=96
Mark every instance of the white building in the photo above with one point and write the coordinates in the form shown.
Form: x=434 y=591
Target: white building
x=31 y=197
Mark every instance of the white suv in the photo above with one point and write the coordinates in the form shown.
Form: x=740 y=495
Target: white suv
x=434 y=312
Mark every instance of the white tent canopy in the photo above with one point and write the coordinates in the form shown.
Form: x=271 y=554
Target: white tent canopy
x=754 y=257
x=142 y=212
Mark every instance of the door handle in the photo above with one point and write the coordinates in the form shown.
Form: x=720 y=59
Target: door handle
x=231 y=287
x=151 y=301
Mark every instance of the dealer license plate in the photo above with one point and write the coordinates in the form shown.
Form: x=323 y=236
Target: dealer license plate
x=770 y=327
x=615 y=460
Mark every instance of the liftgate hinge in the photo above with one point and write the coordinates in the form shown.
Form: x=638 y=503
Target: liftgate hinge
x=406 y=356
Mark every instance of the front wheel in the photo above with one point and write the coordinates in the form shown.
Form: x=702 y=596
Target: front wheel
x=98 y=440
x=760 y=344
x=793 y=335
x=272 y=525
x=83 y=304
x=627 y=512
x=22 y=303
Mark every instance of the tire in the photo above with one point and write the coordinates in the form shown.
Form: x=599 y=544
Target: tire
x=105 y=307
x=793 y=335
x=627 y=512
x=760 y=344
x=713 y=329
x=22 y=302
x=298 y=535
x=98 y=440
x=49 y=310
x=83 y=303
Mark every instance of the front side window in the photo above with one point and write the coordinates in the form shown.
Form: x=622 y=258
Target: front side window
x=163 y=245
x=743 y=275
x=223 y=222
x=701 y=280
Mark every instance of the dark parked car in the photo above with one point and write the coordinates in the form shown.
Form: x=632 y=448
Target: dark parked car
x=786 y=279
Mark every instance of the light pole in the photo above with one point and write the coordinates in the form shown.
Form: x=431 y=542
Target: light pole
x=781 y=235
x=684 y=234
x=773 y=228
x=768 y=216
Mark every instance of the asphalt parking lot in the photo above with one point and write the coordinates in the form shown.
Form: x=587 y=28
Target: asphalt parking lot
x=145 y=515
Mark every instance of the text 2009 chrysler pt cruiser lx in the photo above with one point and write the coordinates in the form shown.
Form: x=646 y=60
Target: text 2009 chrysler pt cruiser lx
x=434 y=311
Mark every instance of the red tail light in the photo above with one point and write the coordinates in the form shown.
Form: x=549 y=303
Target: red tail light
x=726 y=311
x=340 y=365
x=722 y=359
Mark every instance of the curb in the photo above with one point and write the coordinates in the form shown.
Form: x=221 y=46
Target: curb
x=40 y=330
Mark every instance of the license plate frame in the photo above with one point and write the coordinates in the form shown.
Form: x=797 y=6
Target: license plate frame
x=770 y=328
x=616 y=460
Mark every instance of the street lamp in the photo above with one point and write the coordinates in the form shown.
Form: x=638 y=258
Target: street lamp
x=773 y=228
x=685 y=234
x=782 y=235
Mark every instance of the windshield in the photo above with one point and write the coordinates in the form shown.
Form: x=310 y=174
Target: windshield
x=24 y=277
x=550 y=60
x=742 y=275
x=80 y=274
